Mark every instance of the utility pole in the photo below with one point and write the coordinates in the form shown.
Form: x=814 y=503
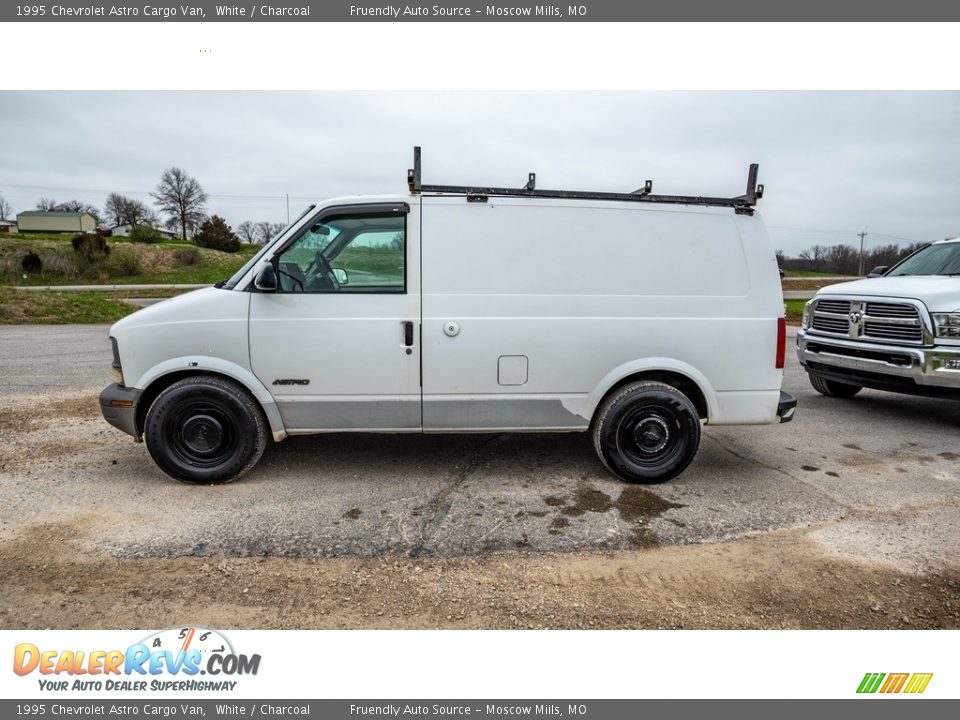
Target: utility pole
x=862 y=236
x=288 y=208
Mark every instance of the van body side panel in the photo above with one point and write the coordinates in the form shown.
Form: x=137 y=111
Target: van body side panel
x=583 y=289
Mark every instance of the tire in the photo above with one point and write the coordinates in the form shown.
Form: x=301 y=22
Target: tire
x=833 y=389
x=205 y=430
x=646 y=432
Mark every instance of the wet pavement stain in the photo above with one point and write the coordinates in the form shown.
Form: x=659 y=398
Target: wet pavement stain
x=809 y=468
x=557 y=525
x=948 y=456
x=352 y=514
x=587 y=499
x=635 y=505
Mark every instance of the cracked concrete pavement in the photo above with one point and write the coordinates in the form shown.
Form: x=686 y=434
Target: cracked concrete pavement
x=874 y=479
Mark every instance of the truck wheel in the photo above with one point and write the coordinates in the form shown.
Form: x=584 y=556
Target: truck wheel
x=831 y=388
x=646 y=432
x=205 y=429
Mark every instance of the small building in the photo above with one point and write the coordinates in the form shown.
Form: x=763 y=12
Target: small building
x=124 y=231
x=7 y=226
x=55 y=222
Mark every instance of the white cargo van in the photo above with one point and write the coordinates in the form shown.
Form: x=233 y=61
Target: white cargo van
x=469 y=309
x=897 y=330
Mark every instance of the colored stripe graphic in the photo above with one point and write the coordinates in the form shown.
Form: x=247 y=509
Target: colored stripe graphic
x=894 y=683
x=918 y=683
x=870 y=682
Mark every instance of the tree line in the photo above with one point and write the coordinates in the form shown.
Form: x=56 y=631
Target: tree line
x=845 y=259
x=179 y=205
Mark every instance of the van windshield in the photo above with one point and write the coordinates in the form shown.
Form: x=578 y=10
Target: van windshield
x=940 y=259
x=238 y=275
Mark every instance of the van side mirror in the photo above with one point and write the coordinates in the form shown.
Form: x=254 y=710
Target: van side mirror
x=341 y=275
x=266 y=280
x=878 y=271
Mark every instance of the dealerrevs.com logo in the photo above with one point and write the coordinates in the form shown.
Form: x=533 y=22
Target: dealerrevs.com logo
x=892 y=683
x=173 y=659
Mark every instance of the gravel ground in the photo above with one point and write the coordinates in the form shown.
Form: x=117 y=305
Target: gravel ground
x=847 y=517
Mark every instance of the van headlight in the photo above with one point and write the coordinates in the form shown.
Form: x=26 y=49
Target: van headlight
x=805 y=320
x=115 y=366
x=946 y=325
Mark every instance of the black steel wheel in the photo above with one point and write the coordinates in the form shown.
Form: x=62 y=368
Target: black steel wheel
x=646 y=432
x=205 y=429
x=832 y=388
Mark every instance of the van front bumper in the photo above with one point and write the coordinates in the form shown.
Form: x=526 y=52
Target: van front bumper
x=902 y=368
x=119 y=407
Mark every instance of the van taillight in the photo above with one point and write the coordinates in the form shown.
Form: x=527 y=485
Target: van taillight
x=781 y=342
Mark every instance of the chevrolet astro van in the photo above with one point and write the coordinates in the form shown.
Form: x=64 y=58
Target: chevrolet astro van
x=449 y=309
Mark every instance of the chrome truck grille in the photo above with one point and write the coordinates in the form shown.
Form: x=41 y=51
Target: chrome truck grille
x=868 y=320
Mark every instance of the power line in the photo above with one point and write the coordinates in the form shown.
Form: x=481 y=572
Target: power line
x=134 y=192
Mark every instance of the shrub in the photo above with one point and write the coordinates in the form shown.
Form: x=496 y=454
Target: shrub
x=217 y=235
x=145 y=234
x=91 y=248
x=187 y=257
x=31 y=263
x=59 y=264
x=123 y=263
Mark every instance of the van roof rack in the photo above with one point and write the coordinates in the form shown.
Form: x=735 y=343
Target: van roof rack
x=742 y=204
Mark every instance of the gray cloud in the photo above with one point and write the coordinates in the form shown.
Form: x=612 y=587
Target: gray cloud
x=832 y=162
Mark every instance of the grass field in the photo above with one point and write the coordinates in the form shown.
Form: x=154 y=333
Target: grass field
x=794 y=310
x=25 y=307
x=164 y=262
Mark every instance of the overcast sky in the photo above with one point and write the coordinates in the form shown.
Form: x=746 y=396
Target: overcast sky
x=832 y=162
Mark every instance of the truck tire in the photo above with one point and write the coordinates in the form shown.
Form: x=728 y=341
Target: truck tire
x=205 y=430
x=646 y=432
x=831 y=388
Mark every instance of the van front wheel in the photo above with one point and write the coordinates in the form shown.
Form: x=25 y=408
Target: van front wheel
x=205 y=429
x=647 y=432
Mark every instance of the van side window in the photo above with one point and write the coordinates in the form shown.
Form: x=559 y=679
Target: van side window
x=347 y=254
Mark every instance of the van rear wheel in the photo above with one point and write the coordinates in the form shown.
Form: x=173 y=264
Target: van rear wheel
x=831 y=388
x=647 y=432
x=205 y=429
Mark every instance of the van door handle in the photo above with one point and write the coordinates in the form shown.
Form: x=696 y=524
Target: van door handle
x=408 y=333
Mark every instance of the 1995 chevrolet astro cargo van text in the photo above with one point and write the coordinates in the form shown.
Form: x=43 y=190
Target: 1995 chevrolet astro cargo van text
x=469 y=309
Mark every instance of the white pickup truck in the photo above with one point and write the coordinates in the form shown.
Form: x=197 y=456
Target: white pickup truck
x=897 y=330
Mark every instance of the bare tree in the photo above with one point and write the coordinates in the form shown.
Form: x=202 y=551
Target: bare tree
x=845 y=259
x=46 y=204
x=265 y=231
x=182 y=198
x=247 y=231
x=122 y=210
x=6 y=210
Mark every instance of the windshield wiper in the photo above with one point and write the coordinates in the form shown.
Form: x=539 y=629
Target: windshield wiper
x=221 y=283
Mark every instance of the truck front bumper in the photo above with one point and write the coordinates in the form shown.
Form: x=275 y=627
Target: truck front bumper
x=902 y=368
x=119 y=407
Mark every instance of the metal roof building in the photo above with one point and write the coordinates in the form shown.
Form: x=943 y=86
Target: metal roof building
x=55 y=222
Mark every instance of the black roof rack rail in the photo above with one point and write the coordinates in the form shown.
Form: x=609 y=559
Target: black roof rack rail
x=742 y=204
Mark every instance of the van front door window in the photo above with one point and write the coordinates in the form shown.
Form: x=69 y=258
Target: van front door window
x=344 y=254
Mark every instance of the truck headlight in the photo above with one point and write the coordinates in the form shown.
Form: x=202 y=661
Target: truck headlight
x=115 y=366
x=805 y=320
x=946 y=325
